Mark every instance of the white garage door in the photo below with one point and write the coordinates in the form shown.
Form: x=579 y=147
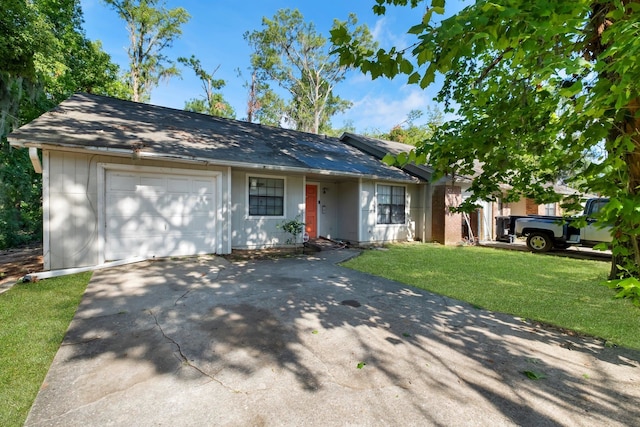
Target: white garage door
x=149 y=214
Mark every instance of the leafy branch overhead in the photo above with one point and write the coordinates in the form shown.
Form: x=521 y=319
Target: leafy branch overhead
x=542 y=92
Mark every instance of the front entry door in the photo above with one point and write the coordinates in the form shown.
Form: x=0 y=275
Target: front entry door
x=311 y=209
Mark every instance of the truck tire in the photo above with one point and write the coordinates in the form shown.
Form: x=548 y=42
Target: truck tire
x=539 y=242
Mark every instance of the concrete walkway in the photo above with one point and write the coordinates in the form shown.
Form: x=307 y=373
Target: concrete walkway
x=303 y=341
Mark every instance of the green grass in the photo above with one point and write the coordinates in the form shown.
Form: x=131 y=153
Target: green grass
x=33 y=320
x=563 y=292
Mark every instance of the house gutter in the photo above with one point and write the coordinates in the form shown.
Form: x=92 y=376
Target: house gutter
x=191 y=160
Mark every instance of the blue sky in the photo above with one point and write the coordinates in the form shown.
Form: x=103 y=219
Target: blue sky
x=214 y=34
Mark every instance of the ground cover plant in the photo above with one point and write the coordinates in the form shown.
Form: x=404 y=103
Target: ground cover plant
x=33 y=320
x=563 y=292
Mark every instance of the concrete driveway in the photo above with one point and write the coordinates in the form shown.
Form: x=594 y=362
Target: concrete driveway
x=303 y=341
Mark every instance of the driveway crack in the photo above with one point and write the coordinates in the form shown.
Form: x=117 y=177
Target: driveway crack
x=184 y=358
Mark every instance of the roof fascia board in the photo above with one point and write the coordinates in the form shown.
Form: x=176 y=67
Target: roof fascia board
x=198 y=160
x=375 y=151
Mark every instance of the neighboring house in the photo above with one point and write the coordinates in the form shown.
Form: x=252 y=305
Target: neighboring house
x=124 y=179
x=441 y=225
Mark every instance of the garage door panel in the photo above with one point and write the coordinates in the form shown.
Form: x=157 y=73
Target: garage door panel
x=175 y=244
x=155 y=215
x=122 y=182
x=179 y=185
x=171 y=205
x=153 y=183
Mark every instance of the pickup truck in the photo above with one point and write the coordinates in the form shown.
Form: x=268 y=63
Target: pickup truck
x=544 y=233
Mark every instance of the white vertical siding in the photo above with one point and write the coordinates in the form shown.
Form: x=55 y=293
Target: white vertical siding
x=262 y=232
x=347 y=207
x=372 y=232
x=72 y=186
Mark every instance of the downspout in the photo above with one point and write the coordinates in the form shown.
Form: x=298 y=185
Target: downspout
x=425 y=197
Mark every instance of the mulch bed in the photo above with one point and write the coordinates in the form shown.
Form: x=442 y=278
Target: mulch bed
x=17 y=262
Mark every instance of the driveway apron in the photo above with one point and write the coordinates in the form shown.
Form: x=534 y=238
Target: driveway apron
x=303 y=341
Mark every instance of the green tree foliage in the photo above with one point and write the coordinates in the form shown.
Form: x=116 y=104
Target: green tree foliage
x=289 y=52
x=46 y=57
x=408 y=132
x=348 y=126
x=538 y=86
x=263 y=105
x=214 y=103
x=152 y=28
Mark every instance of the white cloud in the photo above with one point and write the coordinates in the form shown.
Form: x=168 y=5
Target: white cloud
x=386 y=36
x=383 y=111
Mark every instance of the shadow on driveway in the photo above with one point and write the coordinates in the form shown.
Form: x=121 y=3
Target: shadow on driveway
x=303 y=341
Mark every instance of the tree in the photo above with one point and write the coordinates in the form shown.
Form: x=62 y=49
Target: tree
x=214 y=103
x=46 y=58
x=263 y=104
x=290 y=52
x=409 y=133
x=152 y=28
x=537 y=86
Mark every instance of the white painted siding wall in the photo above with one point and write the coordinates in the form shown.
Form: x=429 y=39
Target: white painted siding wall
x=70 y=192
x=347 y=209
x=372 y=232
x=256 y=233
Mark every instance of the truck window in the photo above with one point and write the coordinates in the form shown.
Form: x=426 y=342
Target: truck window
x=595 y=206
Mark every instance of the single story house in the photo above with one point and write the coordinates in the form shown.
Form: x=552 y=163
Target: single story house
x=124 y=179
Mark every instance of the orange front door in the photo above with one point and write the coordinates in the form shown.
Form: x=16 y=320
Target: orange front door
x=311 y=216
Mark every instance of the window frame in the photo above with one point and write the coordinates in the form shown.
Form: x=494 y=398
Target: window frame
x=550 y=209
x=248 y=196
x=391 y=215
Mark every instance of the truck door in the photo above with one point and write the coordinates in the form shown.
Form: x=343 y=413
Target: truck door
x=591 y=232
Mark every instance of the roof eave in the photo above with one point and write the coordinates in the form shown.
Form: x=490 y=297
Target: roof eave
x=119 y=152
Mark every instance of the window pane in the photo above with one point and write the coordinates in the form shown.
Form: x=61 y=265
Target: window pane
x=391 y=204
x=266 y=196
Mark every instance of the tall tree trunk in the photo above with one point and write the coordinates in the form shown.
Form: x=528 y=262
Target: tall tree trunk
x=630 y=127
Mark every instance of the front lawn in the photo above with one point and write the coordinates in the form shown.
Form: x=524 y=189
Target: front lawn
x=33 y=320
x=559 y=291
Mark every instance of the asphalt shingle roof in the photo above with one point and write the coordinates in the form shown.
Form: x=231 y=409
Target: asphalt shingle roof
x=86 y=121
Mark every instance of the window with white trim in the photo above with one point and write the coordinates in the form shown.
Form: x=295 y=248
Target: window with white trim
x=391 y=201
x=266 y=196
x=550 y=209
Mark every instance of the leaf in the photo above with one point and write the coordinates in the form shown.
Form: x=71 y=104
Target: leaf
x=402 y=159
x=572 y=90
x=534 y=375
x=406 y=66
x=413 y=78
x=361 y=365
x=601 y=247
x=417 y=29
x=315 y=332
x=389 y=159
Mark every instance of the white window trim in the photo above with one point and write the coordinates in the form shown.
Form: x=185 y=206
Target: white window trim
x=406 y=205
x=284 y=197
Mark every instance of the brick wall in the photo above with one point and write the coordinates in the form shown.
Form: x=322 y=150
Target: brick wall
x=446 y=227
x=532 y=207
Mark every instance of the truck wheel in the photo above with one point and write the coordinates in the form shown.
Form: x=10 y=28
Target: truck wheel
x=539 y=242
